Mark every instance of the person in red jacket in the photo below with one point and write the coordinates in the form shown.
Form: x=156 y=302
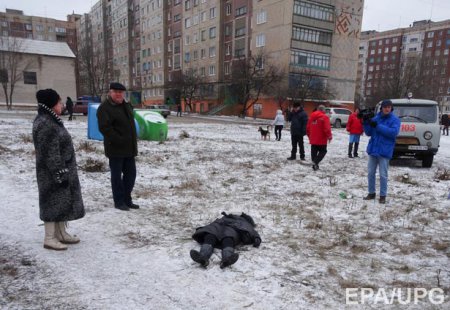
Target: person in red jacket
x=355 y=128
x=318 y=130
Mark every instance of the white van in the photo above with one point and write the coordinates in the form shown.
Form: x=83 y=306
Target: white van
x=420 y=132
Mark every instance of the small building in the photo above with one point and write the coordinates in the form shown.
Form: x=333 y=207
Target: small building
x=42 y=64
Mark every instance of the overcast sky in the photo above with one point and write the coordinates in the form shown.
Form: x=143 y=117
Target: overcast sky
x=379 y=15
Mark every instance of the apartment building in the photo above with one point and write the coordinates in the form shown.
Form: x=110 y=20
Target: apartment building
x=318 y=37
x=419 y=52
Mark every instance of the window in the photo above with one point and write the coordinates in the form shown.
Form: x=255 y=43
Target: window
x=239 y=32
x=315 y=11
x=260 y=40
x=228 y=9
x=187 y=4
x=430 y=34
x=212 y=13
x=29 y=77
x=187 y=57
x=386 y=49
x=228 y=49
x=310 y=59
x=241 y=11
x=203 y=16
x=28 y=27
x=261 y=17
x=202 y=53
x=212 y=70
x=212 y=51
x=39 y=28
x=203 y=35
x=226 y=68
x=212 y=32
x=228 y=28
x=312 y=35
x=177 y=18
x=394 y=49
x=187 y=22
x=202 y=71
x=430 y=44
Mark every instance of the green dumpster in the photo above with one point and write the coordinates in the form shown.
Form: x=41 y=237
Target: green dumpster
x=152 y=126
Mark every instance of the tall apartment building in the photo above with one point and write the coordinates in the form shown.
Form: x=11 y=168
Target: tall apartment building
x=418 y=55
x=304 y=37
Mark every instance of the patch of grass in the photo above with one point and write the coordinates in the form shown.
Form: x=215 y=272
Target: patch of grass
x=440 y=246
x=352 y=283
x=137 y=240
x=184 y=134
x=26 y=138
x=93 y=165
x=442 y=174
x=86 y=146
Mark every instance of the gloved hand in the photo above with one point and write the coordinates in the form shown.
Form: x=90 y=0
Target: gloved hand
x=257 y=242
x=373 y=124
x=62 y=177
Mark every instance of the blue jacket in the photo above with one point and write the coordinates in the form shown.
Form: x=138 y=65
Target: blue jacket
x=382 y=137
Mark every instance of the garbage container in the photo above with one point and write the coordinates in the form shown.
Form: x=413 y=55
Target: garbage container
x=152 y=125
x=93 y=131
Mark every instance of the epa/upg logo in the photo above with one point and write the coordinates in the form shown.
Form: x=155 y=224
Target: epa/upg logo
x=397 y=295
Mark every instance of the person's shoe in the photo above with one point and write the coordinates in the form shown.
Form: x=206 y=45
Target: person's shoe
x=133 y=206
x=350 y=156
x=63 y=236
x=228 y=257
x=302 y=158
x=122 y=207
x=203 y=256
x=50 y=240
x=291 y=158
x=315 y=167
x=355 y=155
x=382 y=199
x=370 y=197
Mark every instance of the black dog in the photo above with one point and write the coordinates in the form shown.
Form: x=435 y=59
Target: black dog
x=264 y=133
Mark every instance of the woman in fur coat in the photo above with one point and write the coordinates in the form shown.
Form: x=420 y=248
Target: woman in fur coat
x=56 y=170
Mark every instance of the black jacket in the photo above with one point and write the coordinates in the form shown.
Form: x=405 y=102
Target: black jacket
x=298 y=121
x=116 y=123
x=237 y=227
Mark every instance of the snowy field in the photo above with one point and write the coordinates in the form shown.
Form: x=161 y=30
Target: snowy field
x=315 y=244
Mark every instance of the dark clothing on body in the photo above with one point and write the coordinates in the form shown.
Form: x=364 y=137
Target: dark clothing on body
x=298 y=120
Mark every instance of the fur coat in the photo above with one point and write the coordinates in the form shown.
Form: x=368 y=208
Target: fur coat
x=56 y=169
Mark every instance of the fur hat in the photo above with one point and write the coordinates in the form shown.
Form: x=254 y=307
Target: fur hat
x=321 y=108
x=48 y=97
x=117 y=86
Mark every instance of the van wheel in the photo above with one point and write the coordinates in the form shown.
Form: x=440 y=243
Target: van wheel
x=427 y=161
x=337 y=123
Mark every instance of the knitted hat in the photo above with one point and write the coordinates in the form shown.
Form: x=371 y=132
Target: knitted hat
x=48 y=97
x=386 y=103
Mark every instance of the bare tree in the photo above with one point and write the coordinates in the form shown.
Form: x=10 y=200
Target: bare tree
x=95 y=68
x=188 y=85
x=309 y=84
x=12 y=64
x=251 y=77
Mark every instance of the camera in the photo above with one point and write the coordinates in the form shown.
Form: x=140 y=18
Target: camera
x=366 y=114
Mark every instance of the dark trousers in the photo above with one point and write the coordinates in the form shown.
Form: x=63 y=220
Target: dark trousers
x=444 y=130
x=278 y=129
x=123 y=176
x=297 y=139
x=318 y=153
x=212 y=240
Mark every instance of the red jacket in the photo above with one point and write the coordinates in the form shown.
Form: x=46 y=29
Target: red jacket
x=355 y=124
x=318 y=128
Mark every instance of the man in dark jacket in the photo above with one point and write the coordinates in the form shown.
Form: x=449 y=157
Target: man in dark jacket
x=69 y=107
x=445 y=121
x=116 y=123
x=298 y=119
x=225 y=233
x=382 y=130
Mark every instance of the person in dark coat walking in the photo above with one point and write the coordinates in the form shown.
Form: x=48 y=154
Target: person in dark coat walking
x=225 y=233
x=445 y=121
x=298 y=119
x=179 y=110
x=56 y=171
x=69 y=107
x=116 y=123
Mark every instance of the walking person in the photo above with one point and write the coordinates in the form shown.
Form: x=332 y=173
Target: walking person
x=445 y=121
x=69 y=107
x=355 y=129
x=56 y=171
x=179 y=110
x=116 y=123
x=298 y=119
x=382 y=130
x=319 y=134
x=278 y=122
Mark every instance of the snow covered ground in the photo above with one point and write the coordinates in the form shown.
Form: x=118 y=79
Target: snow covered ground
x=315 y=243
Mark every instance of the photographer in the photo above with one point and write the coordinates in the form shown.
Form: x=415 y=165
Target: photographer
x=382 y=130
x=355 y=129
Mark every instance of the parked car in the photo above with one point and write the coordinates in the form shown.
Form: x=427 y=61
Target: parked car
x=82 y=102
x=338 y=116
x=161 y=109
x=420 y=132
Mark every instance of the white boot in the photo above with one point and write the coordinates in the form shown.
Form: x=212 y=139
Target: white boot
x=50 y=240
x=63 y=236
